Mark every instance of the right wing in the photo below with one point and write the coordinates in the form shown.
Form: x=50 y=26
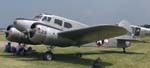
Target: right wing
x=91 y=34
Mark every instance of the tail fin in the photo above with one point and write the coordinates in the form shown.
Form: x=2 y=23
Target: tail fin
x=125 y=24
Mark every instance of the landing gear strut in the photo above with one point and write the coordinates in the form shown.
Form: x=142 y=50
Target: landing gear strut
x=78 y=54
x=48 y=55
x=124 y=50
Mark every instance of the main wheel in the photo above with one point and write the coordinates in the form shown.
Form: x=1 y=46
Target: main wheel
x=48 y=56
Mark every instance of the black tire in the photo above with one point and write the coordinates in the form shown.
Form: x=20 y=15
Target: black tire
x=48 y=56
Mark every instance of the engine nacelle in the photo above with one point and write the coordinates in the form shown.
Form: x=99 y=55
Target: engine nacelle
x=102 y=42
x=15 y=35
x=48 y=35
x=40 y=33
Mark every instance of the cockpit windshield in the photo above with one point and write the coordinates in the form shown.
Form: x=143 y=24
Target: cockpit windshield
x=37 y=17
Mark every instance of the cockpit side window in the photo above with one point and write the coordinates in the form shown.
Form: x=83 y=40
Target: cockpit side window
x=48 y=19
x=58 y=22
x=37 y=17
x=44 y=19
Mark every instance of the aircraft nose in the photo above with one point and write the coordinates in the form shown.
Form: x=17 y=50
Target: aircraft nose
x=22 y=24
x=19 y=24
x=14 y=22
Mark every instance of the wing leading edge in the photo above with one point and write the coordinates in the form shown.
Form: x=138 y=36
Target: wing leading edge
x=91 y=34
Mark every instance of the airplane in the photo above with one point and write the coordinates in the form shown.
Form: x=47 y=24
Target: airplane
x=123 y=41
x=52 y=30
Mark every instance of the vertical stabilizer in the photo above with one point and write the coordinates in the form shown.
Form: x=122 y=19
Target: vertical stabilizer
x=125 y=24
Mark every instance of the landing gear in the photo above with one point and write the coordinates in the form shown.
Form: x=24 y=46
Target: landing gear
x=78 y=54
x=48 y=55
x=124 y=50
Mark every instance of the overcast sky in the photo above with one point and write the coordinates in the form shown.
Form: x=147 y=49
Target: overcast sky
x=88 y=12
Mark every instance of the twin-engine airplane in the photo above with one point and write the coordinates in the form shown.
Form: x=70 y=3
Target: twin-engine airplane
x=54 y=30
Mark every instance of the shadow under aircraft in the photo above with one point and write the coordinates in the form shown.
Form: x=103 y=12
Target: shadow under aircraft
x=65 y=58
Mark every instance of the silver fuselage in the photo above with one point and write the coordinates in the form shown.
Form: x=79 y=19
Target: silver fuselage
x=49 y=25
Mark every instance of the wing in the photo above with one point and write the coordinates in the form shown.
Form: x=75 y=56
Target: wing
x=91 y=34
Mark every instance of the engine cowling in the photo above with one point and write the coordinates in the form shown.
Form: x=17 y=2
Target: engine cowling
x=48 y=35
x=102 y=42
x=15 y=35
x=113 y=43
x=40 y=33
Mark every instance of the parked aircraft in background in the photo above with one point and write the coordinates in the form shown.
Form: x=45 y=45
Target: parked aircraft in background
x=140 y=31
x=2 y=29
x=54 y=30
x=123 y=41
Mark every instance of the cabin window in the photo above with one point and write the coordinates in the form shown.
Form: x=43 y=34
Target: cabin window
x=67 y=25
x=58 y=22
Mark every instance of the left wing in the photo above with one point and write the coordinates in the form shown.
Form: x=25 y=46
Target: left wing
x=91 y=34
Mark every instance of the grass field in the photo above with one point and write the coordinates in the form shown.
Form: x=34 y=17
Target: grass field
x=2 y=38
x=138 y=56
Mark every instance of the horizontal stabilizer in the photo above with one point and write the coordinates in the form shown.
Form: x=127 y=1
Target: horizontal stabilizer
x=134 y=40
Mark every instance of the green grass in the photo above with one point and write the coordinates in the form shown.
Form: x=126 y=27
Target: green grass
x=138 y=56
x=2 y=38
